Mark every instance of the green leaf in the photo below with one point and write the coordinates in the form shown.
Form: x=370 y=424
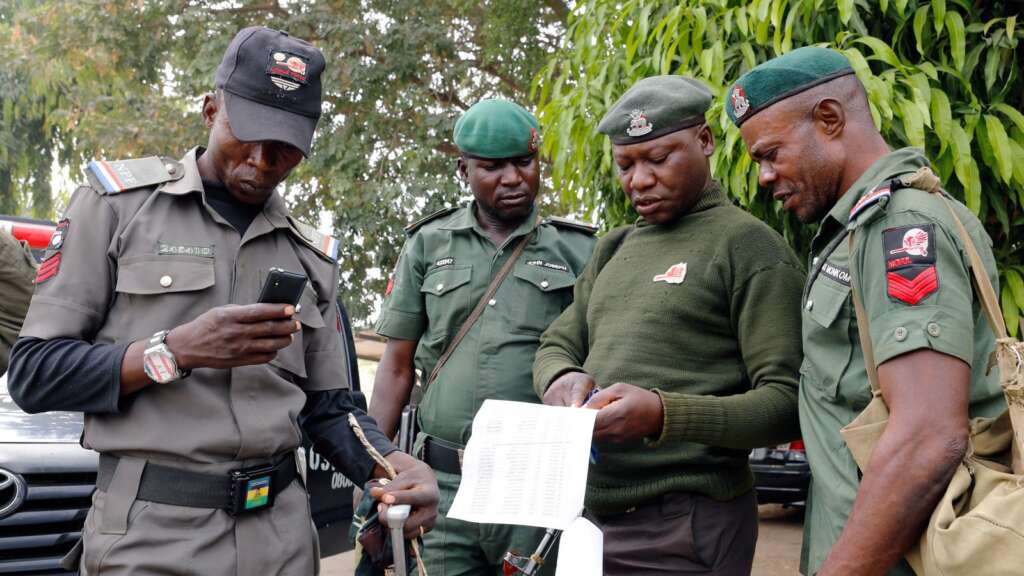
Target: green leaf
x=1016 y=284
x=748 y=55
x=957 y=42
x=1000 y=146
x=1011 y=24
x=913 y=123
x=1011 y=312
x=882 y=50
x=901 y=6
x=939 y=7
x=942 y=116
x=920 y=19
x=845 y=10
x=991 y=67
x=1012 y=113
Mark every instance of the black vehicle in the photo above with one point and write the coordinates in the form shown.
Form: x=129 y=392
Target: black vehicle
x=47 y=478
x=781 y=474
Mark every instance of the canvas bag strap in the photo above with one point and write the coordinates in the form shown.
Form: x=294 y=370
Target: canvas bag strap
x=480 y=307
x=926 y=180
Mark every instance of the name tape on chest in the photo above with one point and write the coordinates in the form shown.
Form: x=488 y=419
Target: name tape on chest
x=910 y=262
x=549 y=265
x=835 y=272
x=169 y=249
x=446 y=261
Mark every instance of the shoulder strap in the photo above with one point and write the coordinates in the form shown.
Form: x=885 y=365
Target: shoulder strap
x=413 y=227
x=926 y=180
x=116 y=176
x=480 y=306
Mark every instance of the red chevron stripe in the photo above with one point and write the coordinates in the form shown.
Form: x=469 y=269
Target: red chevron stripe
x=913 y=291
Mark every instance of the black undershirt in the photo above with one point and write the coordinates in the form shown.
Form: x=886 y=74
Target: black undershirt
x=239 y=215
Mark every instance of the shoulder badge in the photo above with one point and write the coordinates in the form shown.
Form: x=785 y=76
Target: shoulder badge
x=323 y=244
x=116 y=176
x=584 y=227
x=413 y=227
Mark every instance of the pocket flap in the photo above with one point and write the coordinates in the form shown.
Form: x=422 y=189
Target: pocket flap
x=826 y=300
x=164 y=274
x=443 y=280
x=546 y=279
x=309 y=312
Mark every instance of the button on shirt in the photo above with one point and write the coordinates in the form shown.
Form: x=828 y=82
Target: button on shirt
x=834 y=386
x=443 y=271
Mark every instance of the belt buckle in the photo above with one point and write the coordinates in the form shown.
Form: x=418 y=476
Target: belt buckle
x=252 y=489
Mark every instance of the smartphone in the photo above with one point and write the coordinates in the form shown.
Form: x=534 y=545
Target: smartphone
x=283 y=287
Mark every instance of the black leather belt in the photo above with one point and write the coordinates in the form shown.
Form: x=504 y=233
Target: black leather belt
x=442 y=456
x=237 y=492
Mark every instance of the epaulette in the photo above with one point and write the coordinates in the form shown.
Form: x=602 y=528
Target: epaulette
x=323 y=244
x=880 y=192
x=922 y=179
x=116 y=176
x=413 y=227
x=584 y=227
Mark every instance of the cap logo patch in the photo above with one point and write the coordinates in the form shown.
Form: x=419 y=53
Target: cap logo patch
x=740 y=103
x=534 y=144
x=287 y=71
x=639 y=125
x=674 y=275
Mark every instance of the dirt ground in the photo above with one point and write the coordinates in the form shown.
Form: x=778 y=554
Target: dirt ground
x=778 y=546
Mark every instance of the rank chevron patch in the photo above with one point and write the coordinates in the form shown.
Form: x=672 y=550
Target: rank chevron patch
x=912 y=291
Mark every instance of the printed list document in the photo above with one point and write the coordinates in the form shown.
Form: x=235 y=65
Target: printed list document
x=525 y=464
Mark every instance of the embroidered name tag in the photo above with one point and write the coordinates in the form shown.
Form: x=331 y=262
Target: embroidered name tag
x=444 y=262
x=551 y=265
x=837 y=273
x=165 y=249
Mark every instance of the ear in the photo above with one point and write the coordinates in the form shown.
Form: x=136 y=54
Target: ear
x=210 y=108
x=463 y=170
x=829 y=117
x=706 y=140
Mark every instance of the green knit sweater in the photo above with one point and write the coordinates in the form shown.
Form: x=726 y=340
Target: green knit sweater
x=722 y=349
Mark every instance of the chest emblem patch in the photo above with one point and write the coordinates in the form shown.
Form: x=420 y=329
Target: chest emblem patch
x=910 y=262
x=674 y=275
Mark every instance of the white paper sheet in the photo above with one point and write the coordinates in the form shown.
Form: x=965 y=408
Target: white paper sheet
x=581 y=550
x=525 y=464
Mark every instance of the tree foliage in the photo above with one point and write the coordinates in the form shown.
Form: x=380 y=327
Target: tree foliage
x=941 y=75
x=125 y=79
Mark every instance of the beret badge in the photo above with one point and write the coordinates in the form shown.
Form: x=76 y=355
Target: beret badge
x=638 y=124
x=740 y=103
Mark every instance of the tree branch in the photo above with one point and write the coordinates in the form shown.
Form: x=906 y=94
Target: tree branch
x=559 y=8
x=272 y=7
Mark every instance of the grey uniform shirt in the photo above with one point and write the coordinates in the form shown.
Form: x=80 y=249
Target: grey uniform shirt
x=146 y=260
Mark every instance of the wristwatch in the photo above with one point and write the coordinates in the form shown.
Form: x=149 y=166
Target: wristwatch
x=158 y=361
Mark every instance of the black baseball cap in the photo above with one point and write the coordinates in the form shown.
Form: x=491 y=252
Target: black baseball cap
x=271 y=85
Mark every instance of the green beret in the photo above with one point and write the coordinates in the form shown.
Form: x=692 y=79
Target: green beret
x=782 y=77
x=654 y=107
x=497 y=129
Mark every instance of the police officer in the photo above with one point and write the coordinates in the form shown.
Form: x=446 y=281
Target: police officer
x=17 y=270
x=145 y=318
x=805 y=119
x=686 y=320
x=446 y=266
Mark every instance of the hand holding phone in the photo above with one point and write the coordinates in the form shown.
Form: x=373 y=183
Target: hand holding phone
x=283 y=287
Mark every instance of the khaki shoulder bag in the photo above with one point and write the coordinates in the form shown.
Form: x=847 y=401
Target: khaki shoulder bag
x=977 y=528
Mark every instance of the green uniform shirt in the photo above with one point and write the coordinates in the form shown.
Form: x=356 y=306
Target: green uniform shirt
x=443 y=271
x=915 y=279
